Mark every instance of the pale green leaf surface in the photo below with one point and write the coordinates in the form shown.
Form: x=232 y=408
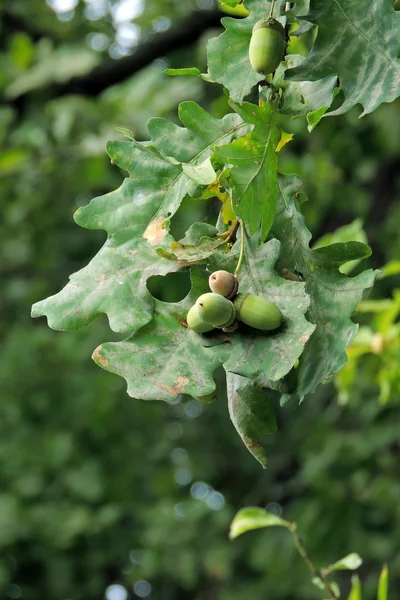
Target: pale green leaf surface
x=350 y=562
x=252 y=413
x=334 y=296
x=248 y=519
x=164 y=358
x=359 y=42
x=203 y=174
x=135 y=218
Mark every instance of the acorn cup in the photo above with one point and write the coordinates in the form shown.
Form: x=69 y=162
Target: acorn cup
x=267 y=45
x=216 y=310
x=257 y=312
x=195 y=323
x=223 y=283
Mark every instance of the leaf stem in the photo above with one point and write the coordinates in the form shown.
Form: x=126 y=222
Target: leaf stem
x=242 y=236
x=228 y=234
x=271 y=10
x=320 y=574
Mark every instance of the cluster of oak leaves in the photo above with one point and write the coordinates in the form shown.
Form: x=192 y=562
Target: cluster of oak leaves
x=234 y=159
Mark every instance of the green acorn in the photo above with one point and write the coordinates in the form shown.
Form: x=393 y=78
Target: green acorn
x=223 y=283
x=267 y=45
x=257 y=312
x=195 y=323
x=215 y=310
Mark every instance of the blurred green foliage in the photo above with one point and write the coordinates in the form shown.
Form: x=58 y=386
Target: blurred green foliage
x=100 y=491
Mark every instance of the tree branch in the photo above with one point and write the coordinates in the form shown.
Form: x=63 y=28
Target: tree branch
x=111 y=72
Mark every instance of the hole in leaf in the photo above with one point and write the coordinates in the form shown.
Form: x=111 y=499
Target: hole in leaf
x=396 y=5
x=193 y=210
x=173 y=287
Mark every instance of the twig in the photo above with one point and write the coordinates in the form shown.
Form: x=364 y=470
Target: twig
x=271 y=10
x=242 y=236
x=228 y=234
x=313 y=569
x=111 y=72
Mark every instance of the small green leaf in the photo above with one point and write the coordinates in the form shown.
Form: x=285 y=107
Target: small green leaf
x=126 y=132
x=350 y=562
x=252 y=413
x=391 y=268
x=314 y=117
x=383 y=585
x=317 y=581
x=251 y=518
x=355 y=592
x=191 y=71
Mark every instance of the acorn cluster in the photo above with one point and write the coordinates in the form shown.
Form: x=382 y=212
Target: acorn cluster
x=223 y=307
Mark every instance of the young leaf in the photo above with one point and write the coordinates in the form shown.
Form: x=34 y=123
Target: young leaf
x=383 y=585
x=254 y=162
x=252 y=413
x=350 y=562
x=136 y=220
x=251 y=518
x=355 y=593
x=334 y=296
x=359 y=42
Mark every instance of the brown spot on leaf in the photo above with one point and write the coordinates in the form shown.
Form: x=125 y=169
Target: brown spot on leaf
x=101 y=277
x=252 y=443
x=98 y=358
x=304 y=339
x=178 y=388
x=155 y=231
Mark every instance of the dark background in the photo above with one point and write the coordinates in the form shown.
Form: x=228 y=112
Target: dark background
x=103 y=496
